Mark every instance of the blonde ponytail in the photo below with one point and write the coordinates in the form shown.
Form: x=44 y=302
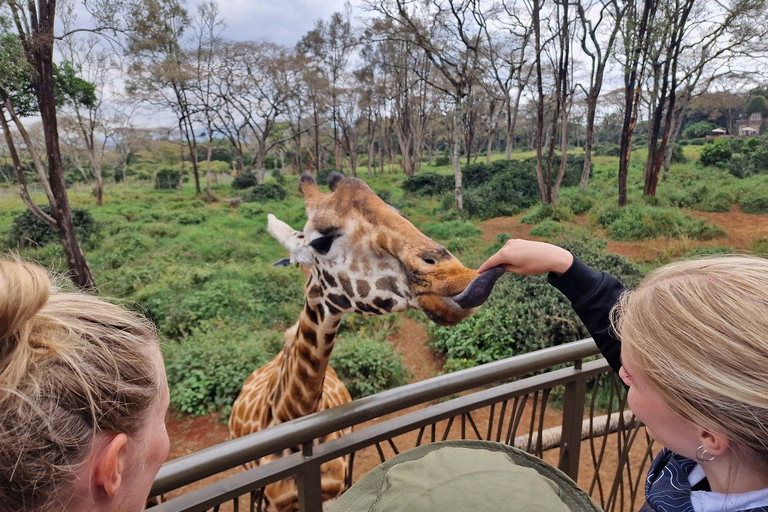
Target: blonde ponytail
x=71 y=365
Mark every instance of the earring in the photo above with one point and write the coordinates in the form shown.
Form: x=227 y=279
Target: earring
x=701 y=454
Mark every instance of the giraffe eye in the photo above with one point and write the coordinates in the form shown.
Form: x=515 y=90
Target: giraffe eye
x=429 y=261
x=323 y=244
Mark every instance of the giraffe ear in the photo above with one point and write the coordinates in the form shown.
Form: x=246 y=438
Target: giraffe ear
x=280 y=231
x=312 y=194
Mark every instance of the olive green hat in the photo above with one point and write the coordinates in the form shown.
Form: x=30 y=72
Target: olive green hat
x=465 y=476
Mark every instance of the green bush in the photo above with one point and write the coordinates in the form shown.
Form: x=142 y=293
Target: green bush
x=548 y=229
x=207 y=371
x=752 y=160
x=546 y=212
x=29 y=231
x=322 y=176
x=702 y=197
x=718 y=153
x=451 y=229
x=265 y=192
x=442 y=160
x=697 y=130
x=754 y=201
x=677 y=155
x=643 y=222
x=578 y=203
x=368 y=366
x=523 y=313
x=760 y=246
x=244 y=180
x=428 y=184
x=167 y=178
x=606 y=149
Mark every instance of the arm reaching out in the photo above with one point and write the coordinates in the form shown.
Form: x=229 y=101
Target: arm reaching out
x=529 y=257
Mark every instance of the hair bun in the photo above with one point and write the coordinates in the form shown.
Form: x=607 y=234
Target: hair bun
x=24 y=290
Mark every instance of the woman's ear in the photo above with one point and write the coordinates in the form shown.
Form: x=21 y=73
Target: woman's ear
x=109 y=467
x=715 y=443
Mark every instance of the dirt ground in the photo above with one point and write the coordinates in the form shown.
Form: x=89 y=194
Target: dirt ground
x=192 y=434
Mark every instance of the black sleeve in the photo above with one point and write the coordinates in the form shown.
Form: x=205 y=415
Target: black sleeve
x=592 y=295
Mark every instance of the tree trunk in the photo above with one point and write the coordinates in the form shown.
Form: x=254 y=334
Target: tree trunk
x=457 y=153
x=589 y=138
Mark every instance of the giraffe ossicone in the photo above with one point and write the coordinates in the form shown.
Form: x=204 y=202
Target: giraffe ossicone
x=361 y=256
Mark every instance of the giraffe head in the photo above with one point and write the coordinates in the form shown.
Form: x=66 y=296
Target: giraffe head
x=365 y=257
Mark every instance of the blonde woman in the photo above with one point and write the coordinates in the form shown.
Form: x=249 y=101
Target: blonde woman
x=694 y=355
x=83 y=397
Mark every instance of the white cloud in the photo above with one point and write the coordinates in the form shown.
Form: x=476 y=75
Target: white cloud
x=279 y=21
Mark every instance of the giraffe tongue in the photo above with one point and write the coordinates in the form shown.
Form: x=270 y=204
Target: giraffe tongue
x=479 y=289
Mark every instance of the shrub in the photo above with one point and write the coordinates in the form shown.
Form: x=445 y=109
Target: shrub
x=753 y=159
x=207 y=371
x=29 y=231
x=718 y=153
x=523 y=313
x=442 y=160
x=702 y=197
x=697 y=130
x=451 y=229
x=322 y=176
x=760 y=247
x=754 y=201
x=546 y=212
x=578 y=203
x=638 y=223
x=167 y=178
x=191 y=218
x=548 y=229
x=677 y=155
x=265 y=192
x=606 y=149
x=428 y=184
x=244 y=180
x=368 y=366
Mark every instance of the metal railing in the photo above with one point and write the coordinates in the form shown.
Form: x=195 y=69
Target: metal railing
x=589 y=410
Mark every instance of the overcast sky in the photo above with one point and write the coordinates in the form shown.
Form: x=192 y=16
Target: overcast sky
x=279 y=21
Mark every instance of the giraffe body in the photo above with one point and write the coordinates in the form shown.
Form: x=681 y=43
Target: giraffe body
x=361 y=256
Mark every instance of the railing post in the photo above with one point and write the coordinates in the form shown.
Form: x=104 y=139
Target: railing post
x=573 y=414
x=308 y=483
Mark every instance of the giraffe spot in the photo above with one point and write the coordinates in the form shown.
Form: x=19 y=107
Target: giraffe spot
x=340 y=301
x=385 y=304
x=367 y=308
x=309 y=335
x=362 y=288
x=332 y=310
x=315 y=292
x=329 y=337
x=346 y=284
x=311 y=315
x=328 y=277
x=327 y=352
x=353 y=266
x=388 y=284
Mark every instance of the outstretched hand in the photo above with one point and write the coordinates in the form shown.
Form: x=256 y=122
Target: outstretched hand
x=529 y=257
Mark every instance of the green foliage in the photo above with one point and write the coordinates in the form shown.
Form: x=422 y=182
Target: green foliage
x=450 y=229
x=546 y=212
x=677 y=155
x=756 y=104
x=442 y=160
x=697 y=130
x=29 y=231
x=167 y=178
x=244 y=180
x=207 y=371
x=428 y=184
x=524 y=313
x=511 y=188
x=322 y=176
x=643 y=222
x=760 y=246
x=606 y=149
x=265 y=192
x=368 y=365
x=752 y=160
x=701 y=196
x=754 y=201
x=718 y=153
x=548 y=229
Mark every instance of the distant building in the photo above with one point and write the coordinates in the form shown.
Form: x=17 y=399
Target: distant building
x=719 y=132
x=751 y=126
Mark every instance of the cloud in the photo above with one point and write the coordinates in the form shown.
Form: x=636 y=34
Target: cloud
x=280 y=21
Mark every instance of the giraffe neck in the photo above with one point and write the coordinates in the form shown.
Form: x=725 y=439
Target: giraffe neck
x=305 y=361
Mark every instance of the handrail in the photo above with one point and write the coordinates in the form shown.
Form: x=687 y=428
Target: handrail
x=213 y=460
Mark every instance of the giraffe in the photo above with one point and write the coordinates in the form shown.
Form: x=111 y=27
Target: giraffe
x=361 y=256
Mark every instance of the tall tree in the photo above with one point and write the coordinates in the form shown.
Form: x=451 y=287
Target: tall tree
x=34 y=24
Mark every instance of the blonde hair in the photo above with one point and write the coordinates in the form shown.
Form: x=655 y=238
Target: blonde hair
x=699 y=329
x=71 y=365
